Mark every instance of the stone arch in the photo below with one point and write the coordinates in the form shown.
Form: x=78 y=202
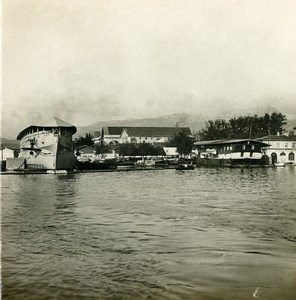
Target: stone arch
x=273 y=158
x=113 y=143
x=291 y=156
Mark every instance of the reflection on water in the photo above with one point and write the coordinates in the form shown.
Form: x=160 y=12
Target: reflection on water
x=202 y=234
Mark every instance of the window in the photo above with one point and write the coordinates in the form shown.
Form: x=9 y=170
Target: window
x=286 y=145
x=291 y=156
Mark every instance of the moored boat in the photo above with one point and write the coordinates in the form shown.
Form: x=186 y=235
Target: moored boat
x=279 y=165
x=185 y=166
x=48 y=147
x=125 y=165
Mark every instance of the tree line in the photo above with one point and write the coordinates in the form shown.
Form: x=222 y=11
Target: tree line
x=244 y=127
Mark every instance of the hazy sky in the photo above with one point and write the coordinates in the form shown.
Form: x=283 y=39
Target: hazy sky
x=91 y=60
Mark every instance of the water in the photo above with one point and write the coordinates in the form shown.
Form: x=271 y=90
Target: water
x=163 y=234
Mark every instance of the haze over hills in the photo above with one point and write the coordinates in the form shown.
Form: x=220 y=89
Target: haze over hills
x=246 y=112
x=12 y=144
x=194 y=122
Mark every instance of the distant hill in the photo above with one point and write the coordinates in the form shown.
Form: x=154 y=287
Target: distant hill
x=195 y=122
x=9 y=143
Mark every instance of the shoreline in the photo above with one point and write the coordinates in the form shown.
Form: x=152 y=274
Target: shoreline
x=76 y=171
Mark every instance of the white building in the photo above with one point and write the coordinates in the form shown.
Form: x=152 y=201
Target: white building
x=8 y=153
x=282 y=148
x=113 y=135
x=171 y=151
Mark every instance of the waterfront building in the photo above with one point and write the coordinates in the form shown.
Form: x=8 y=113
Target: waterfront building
x=85 y=150
x=171 y=151
x=112 y=135
x=8 y=153
x=231 y=152
x=85 y=153
x=282 y=148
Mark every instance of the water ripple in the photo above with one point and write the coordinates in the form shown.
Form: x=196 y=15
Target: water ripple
x=205 y=234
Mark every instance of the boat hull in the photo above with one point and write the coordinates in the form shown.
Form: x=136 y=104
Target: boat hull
x=48 y=151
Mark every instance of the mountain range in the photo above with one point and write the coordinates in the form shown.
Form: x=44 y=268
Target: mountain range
x=174 y=120
x=195 y=122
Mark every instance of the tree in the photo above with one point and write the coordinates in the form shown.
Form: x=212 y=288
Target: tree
x=244 y=127
x=277 y=123
x=143 y=149
x=102 y=148
x=182 y=142
x=127 y=149
x=87 y=140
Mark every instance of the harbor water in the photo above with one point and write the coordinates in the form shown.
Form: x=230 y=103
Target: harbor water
x=157 y=234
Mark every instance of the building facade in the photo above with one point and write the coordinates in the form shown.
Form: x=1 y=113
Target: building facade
x=282 y=148
x=113 y=135
x=231 y=152
x=8 y=153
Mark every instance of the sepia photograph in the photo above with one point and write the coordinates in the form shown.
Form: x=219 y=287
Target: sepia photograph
x=148 y=150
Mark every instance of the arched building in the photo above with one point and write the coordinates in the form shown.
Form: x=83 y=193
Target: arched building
x=282 y=148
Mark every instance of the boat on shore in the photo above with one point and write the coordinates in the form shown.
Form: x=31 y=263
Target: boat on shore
x=123 y=164
x=279 y=165
x=48 y=147
x=185 y=166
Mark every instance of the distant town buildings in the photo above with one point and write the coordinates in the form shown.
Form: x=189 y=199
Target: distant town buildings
x=112 y=135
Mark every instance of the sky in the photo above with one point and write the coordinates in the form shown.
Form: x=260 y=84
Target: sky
x=88 y=61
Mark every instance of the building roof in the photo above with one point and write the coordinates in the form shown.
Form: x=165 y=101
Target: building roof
x=113 y=130
x=277 y=138
x=86 y=149
x=146 y=131
x=57 y=123
x=230 y=142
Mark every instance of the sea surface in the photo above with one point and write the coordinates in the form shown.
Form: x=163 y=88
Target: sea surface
x=157 y=234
